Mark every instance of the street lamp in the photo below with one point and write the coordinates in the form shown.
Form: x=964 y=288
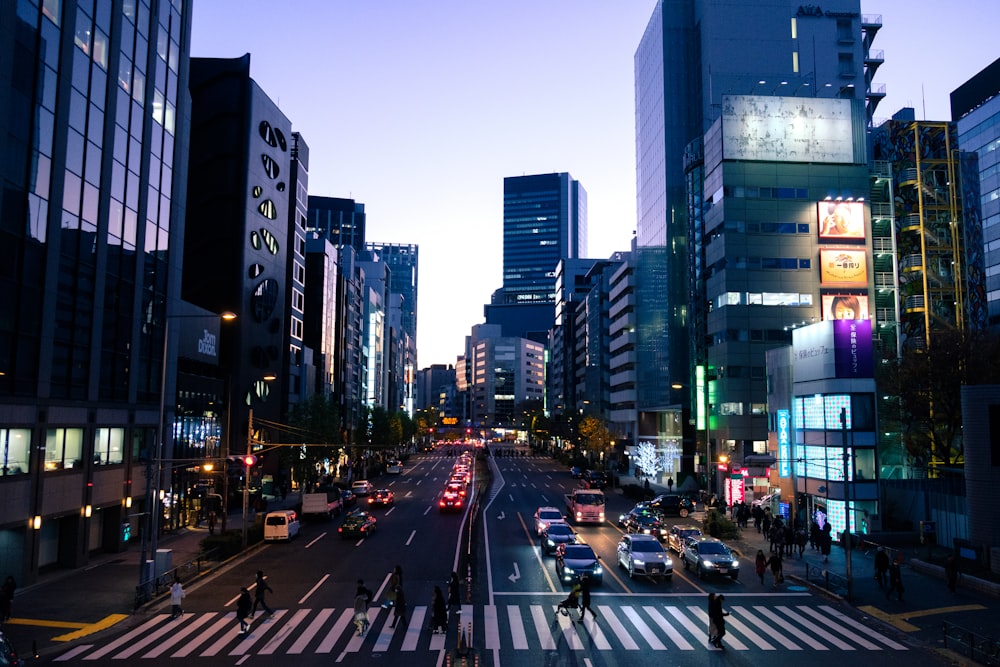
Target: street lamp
x=154 y=505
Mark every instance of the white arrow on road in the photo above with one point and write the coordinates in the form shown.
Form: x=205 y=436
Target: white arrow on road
x=501 y=516
x=517 y=574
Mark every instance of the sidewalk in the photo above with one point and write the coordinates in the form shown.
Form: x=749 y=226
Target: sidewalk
x=66 y=604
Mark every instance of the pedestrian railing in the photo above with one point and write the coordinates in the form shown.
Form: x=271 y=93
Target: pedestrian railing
x=978 y=648
x=824 y=578
x=156 y=586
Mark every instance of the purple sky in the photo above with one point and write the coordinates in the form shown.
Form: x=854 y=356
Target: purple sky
x=420 y=109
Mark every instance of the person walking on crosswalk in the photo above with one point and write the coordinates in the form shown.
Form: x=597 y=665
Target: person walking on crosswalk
x=243 y=606
x=585 y=598
x=399 y=607
x=258 y=595
x=439 y=612
x=717 y=617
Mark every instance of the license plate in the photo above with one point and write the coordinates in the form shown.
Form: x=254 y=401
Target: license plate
x=723 y=570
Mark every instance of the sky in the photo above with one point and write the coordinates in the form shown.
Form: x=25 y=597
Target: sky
x=419 y=108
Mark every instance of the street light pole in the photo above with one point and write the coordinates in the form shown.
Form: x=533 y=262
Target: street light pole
x=246 y=477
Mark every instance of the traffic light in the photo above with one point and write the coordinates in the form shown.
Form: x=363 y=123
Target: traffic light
x=249 y=460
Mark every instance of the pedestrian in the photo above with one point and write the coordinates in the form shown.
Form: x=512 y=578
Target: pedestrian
x=399 y=608
x=712 y=630
x=758 y=517
x=765 y=522
x=7 y=598
x=776 y=568
x=801 y=539
x=258 y=596
x=896 y=578
x=814 y=536
x=826 y=541
x=454 y=601
x=211 y=522
x=585 y=598
x=361 y=600
x=881 y=567
x=243 y=607
x=670 y=484
x=788 y=539
x=176 y=595
x=760 y=565
x=439 y=612
x=395 y=583
x=719 y=620
x=951 y=572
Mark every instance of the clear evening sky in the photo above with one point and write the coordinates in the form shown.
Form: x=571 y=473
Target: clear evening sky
x=420 y=108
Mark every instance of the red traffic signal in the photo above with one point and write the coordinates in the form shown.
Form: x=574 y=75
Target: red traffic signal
x=249 y=460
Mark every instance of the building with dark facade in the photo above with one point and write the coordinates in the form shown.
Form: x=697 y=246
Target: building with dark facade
x=92 y=189
x=572 y=284
x=340 y=220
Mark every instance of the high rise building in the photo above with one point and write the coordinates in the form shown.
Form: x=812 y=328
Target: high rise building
x=340 y=220
x=403 y=261
x=92 y=180
x=706 y=243
x=975 y=107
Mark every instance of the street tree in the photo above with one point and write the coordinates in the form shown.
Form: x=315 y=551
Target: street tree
x=647 y=460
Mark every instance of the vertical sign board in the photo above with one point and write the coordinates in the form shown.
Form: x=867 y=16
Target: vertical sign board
x=784 y=443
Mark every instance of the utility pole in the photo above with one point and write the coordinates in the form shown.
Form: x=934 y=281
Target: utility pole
x=848 y=481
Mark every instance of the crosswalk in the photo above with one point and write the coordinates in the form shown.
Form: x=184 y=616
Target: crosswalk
x=648 y=625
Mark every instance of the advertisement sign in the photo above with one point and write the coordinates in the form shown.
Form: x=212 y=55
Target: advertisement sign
x=845 y=307
x=735 y=489
x=852 y=344
x=789 y=129
x=840 y=219
x=842 y=267
x=784 y=443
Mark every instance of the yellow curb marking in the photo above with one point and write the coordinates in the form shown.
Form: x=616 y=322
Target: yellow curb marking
x=899 y=621
x=82 y=629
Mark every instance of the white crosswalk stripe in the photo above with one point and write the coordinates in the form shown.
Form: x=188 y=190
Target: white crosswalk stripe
x=512 y=627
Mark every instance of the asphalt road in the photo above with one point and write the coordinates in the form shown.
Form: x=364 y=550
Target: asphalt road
x=510 y=617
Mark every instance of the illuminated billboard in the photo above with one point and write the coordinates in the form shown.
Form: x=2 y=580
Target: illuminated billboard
x=840 y=219
x=790 y=129
x=833 y=349
x=843 y=267
x=845 y=307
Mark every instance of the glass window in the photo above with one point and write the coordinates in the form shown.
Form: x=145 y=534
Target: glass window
x=71 y=193
x=101 y=49
x=864 y=465
x=14 y=447
x=109 y=446
x=63 y=448
x=52 y=10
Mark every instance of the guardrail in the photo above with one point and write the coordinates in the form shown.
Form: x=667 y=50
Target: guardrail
x=823 y=578
x=978 y=648
x=153 y=588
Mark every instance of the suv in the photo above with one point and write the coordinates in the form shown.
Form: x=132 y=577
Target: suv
x=362 y=487
x=709 y=555
x=678 y=536
x=672 y=504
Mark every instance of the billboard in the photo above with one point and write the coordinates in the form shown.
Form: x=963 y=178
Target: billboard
x=833 y=349
x=843 y=267
x=840 y=220
x=845 y=307
x=788 y=129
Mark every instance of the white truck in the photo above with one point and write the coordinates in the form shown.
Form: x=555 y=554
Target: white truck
x=585 y=506
x=325 y=504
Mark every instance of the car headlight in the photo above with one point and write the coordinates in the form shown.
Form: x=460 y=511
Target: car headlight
x=707 y=563
x=598 y=570
x=550 y=543
x=735 y=564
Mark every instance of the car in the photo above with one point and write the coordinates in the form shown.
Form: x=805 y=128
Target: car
x=672 y=504
x=394 y=467
x=456 y=487
x=358 y=523
x=451 y=501
x=645 y=523
x=595 y=479
x=8 y=657
x=639 y=507
x=576 y=472
x=545 y=516
x=381 y=498
x=678 y=536
x=579 y=559
x=643 y=554
x=708 y=555
x=362 y=487
x=558 y=534
x=348 y=498
x=458 y=479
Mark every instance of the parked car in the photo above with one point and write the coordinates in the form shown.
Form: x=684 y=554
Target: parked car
x=362 y=487
x=381 y=498
x=556 y=534
x=672 y=504
x=579 y=559
x=358 y=523
x=545 y=516
x=645 y=523
x=643 y=554
x=678 y=536
x=708 y=555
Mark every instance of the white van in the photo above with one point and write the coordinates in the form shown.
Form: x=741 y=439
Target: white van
x=281 y=525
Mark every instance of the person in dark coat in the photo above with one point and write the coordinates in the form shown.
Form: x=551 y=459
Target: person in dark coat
x=896 y=578
x=760 y=565
x=399 y=608
x=454 y=599
x=439 y=612
x=826 y=541
x=243 y=607
x=881 y=567
x=585 y=598
x=776 y=568
x=718 y=619
x=758 y=516
x=814 y=535
x=259 y=592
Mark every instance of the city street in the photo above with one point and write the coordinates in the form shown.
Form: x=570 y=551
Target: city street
x=510 y=617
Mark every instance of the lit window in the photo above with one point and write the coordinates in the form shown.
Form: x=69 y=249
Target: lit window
x=270 y=166
x=270 y=242
x=267 y=134
x=264 y=299
x=268 y=209
x=255 y=240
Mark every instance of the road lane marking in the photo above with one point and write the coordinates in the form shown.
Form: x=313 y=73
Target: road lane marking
x=316 y=539
x=410 y=538
x=313 y=589
x=174 y=639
